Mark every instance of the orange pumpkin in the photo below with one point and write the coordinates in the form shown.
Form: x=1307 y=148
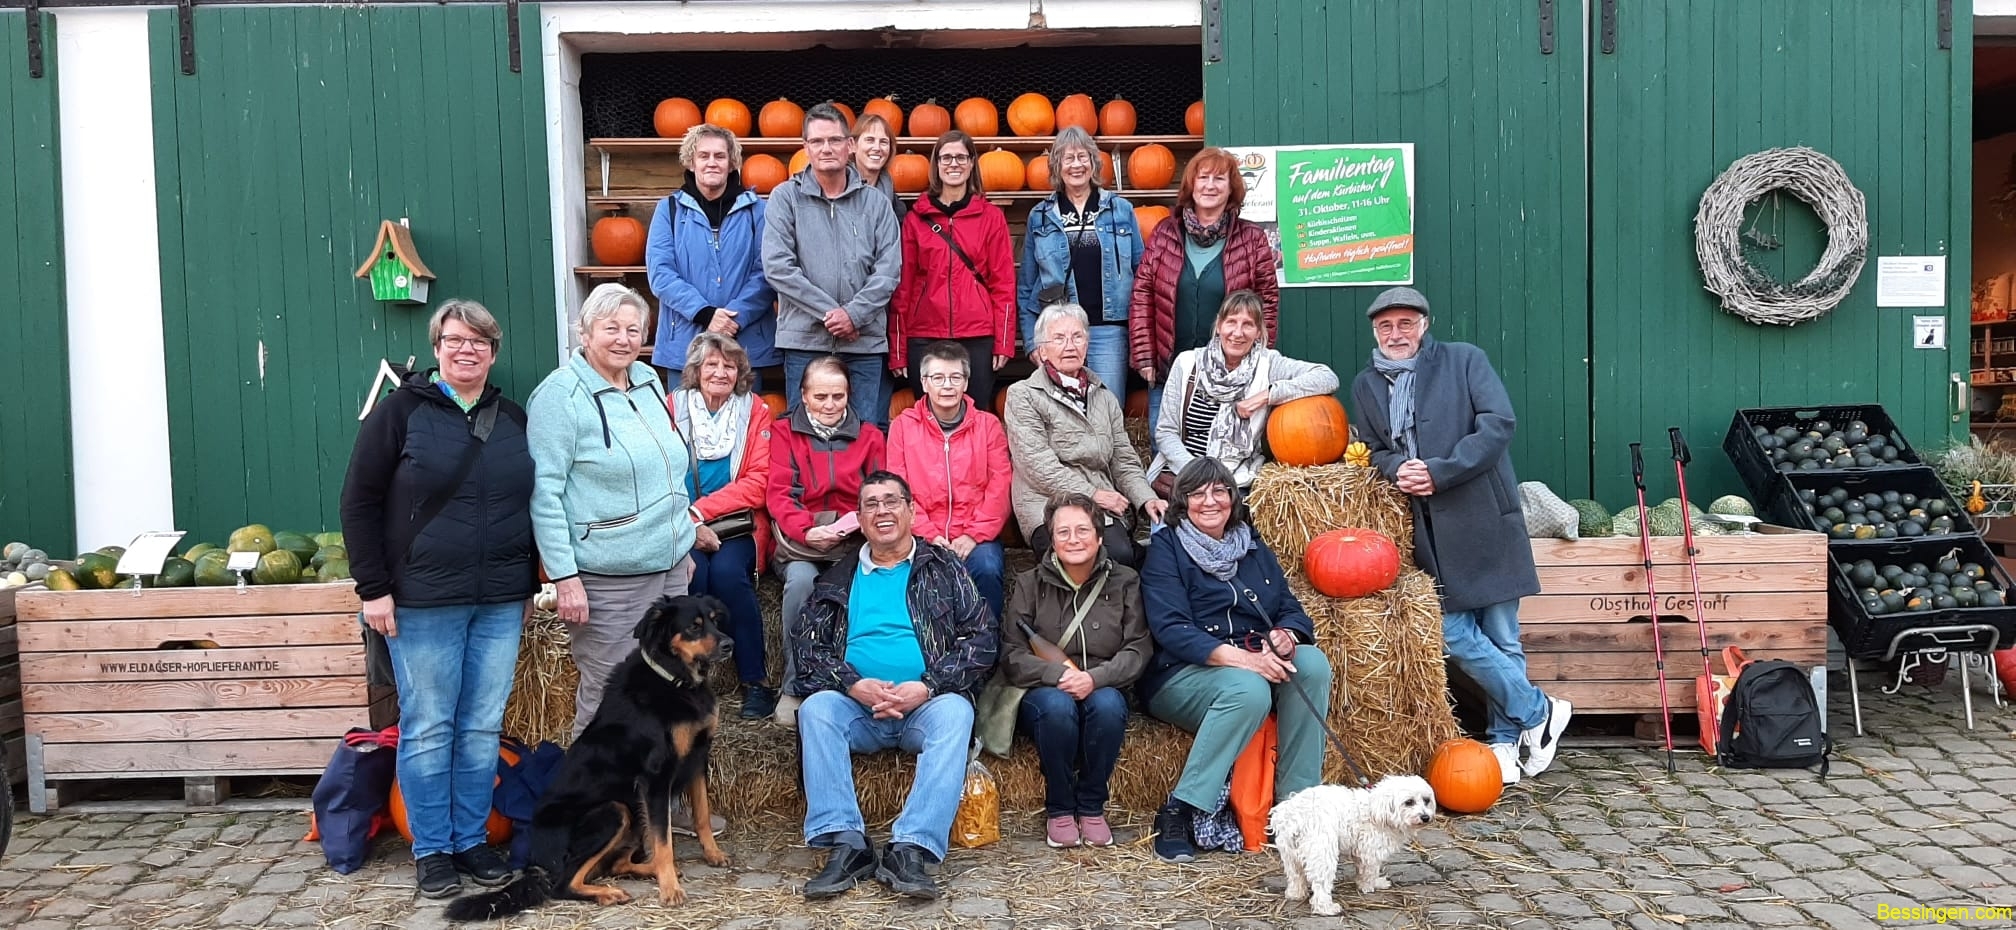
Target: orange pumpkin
x=1151 y=167
x=886 y=108
x=1076 y=110
x=1308 y=431
x=903 y=399
x=762 y=173
x=1465 y=776
x=1106 y=169
x=1001 y=171
x=1116 y=118
x=497 y=826
x=1149 y=218
x=1031 y=115
x=1137 y=404
x=845 y=111
x=1193 y=119
x=929 y=120
x=674 y=116
x=1351 y=562
x=910 y=172
x=1039 y=173
x=617 y=240
x=781 y=119
x=1001 y=410
x=729 y=114
x=976 y=116
x=799 y=160
x=776 y=403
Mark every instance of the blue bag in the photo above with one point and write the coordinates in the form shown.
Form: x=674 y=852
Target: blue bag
x=519 y=788
x=350 y=798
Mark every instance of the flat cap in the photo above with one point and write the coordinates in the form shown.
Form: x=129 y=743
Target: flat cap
x=1397 y=297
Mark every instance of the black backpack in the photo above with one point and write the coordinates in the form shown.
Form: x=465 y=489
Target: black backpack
x=1772 y=721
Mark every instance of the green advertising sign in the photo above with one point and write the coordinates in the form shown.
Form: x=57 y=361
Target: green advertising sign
x=1344 y=214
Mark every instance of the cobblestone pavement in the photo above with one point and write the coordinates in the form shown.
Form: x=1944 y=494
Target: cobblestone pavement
x=1916 y=813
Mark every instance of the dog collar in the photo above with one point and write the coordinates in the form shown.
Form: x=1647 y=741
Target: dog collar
x=660 y=669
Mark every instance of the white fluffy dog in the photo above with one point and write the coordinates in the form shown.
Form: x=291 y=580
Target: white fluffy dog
x=1319 y=825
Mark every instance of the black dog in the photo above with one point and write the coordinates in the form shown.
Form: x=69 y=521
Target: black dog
x=605 y=813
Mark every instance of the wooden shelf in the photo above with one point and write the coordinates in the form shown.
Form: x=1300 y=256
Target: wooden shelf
x=985 y=143
x=608 y=271
x=631 y=201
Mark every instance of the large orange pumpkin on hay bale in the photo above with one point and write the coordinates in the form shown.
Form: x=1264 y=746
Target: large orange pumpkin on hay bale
x=1308 y=431
x=1039 y=173
x=1465 y=776
x=930 y=120
x=1078 y=110
x=1001 y=171
x=976 y=116
x=498 y=826
x=1116 y=118
x=674 y=116
x=910 y=172
x=1032 y=115
x=763 y=173
x=781 y=119
x=730 y=114
x=1351 y=562
x=617 y=240
x=1193 y=118
x=886 y=108
x=1149 y=218
x=1151 y=167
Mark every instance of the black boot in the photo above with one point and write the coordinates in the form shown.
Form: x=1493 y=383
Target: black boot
x=758 y=701
x=902 y=869
x=1172 y=832
x=844 y=869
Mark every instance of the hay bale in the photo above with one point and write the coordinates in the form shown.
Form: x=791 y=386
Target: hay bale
x=1294 y=504
x=541 y=705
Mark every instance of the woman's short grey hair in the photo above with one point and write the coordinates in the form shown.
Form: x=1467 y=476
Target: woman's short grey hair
x=1203 y=471
x=1071 y=139
x=606 y=300
x=1054 y=314
x=707 y=344
x=689 y=147
x=1247 y=302
x=469 y=313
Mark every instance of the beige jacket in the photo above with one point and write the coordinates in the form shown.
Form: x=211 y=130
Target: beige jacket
x=1057 y=450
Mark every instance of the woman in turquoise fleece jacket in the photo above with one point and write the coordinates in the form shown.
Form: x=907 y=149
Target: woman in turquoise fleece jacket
x=609 y=503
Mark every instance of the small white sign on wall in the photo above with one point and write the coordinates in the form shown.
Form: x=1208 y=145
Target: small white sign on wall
x=1928 y=332
x=1911 y=281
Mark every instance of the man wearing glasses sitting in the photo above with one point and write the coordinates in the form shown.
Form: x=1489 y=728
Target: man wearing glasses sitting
x=874 y=676
x=955 y=456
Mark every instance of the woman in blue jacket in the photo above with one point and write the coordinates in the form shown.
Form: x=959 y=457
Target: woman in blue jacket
x=1083 y=244
x=705 y=256
x=1230 y=640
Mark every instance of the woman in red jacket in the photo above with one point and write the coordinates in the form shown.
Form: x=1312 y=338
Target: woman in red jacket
x=955 y=456
x=958 y=273
x=726 y=429
x=819 y=453
x=1190 y=264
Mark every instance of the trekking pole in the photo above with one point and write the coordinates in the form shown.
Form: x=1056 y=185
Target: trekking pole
x=1680 y=459
x=1652 y=596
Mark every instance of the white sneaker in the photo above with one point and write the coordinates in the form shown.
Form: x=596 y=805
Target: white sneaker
x=786 y=713
x=1508 y=761
x=1542 y=740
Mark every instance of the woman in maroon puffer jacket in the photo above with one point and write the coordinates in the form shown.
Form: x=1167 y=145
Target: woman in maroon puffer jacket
x=1190 y=263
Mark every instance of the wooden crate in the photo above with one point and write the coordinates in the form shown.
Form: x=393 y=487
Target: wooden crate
x=1588 y=633
x=11 y=740
x=191 y=683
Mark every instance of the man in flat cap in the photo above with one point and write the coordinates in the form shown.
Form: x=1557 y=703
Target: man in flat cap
x=1439 y=424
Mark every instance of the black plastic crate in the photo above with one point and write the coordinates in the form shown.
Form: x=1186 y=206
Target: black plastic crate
x=1786 y=508
x=1867 y=636
x=1753 y=463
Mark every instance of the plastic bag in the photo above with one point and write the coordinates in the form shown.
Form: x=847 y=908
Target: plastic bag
x=978 y=822
x=1547 y=515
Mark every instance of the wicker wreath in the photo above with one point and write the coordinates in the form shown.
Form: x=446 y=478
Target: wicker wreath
x=1745 y=289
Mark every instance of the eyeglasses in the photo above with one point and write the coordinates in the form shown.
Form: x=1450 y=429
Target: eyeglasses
x=1075 y=158
x=1210 y=492
x=458 y=343
x=954 y=159
x=1406 y=325
x=829 y=142
x=945 y=379
x=1068 y=339
x=884 y=504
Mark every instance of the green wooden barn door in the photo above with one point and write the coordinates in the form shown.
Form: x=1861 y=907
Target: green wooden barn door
x=1500 y=208
x=1691 y=86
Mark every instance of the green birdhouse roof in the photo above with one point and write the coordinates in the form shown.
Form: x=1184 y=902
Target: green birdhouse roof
x=402 y=246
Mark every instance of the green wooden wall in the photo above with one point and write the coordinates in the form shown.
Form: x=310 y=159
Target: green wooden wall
x=37 y=499
x=301 y=129
x=1585 y=288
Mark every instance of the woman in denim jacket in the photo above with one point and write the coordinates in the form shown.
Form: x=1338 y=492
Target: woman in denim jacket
x=1086 y=242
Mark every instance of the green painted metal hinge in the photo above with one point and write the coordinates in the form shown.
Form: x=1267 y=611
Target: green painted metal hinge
x=511 y=17
x=1546 y=27
x=34 y=24
x=1214 y=31
x=1946 y=24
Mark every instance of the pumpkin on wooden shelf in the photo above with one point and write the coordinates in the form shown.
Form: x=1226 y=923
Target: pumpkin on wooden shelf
x=1148 y=218
x=1031 y=115
x=902 y=399
x=1351 y=562
x=798 y=161
x=1465 y=776
x=1078 y=110
x=930 y=120
x=1039 y=173
x=910 y=172
x=886 y=108
x=1151 y=167
x=845 y=111
x=780 y=119
x=674 y=116
x=1106 y=169
x=778 y=406
x=1193 y=118
x=976 y=116
x=762 y=173
x=617 y=240
x=729 y=114
x=1001 y=171
x=1001 y=411
x=1308 y=431
x=1116 y=118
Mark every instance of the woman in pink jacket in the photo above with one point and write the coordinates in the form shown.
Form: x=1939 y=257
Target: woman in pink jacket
x=955 y=456
x=958 y=273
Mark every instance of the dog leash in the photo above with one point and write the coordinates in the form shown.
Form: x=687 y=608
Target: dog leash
x=1322 y=719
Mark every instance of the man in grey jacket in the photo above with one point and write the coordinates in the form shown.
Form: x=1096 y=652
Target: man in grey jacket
x=1439 y=425
x=833 y=252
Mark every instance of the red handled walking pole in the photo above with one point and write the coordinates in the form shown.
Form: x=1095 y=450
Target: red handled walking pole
x=1652 y=596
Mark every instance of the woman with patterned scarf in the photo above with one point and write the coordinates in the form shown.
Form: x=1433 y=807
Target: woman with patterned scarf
x=1190 y=264
x=1219 y=396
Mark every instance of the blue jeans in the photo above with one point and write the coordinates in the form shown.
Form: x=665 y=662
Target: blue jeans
x=986 y=567
x=1485 y=645
x=1077 y=743
x=1155 y=406
x=868 y=382
x=1106 y=355
x=729 y=573
x=832 y=727
x=453 y=666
